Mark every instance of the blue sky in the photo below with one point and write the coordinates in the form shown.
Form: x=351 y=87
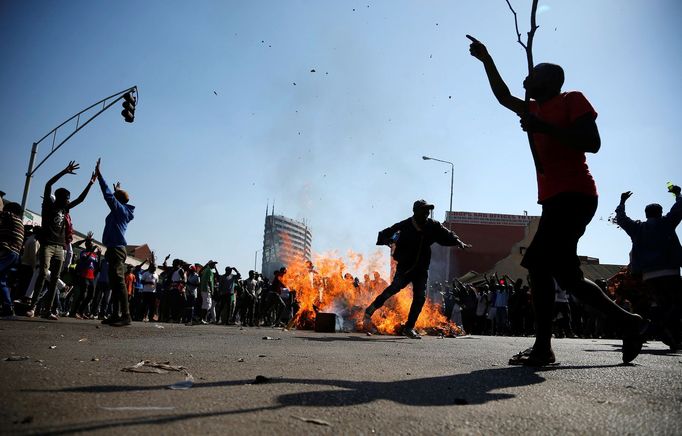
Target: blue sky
x=342 y=147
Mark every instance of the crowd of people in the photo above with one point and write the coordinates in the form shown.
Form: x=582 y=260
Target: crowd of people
x=177 y=293
x=82 y=284
x=503 y=307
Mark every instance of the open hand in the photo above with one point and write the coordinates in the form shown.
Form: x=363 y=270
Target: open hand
x=71 y=167
x=624 y=196
x=93 y=177
x=675 y=190
x=477 y=49
x=97 y=173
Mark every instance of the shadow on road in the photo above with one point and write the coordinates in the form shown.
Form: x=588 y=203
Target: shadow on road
x=474 y=388
x=617 y=348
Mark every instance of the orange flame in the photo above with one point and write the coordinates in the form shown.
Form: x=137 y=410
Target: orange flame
x=329 y=286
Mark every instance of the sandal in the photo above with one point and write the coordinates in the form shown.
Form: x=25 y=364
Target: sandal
x=529 y=358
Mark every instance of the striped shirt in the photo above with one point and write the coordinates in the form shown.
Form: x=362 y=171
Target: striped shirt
x=11 y=232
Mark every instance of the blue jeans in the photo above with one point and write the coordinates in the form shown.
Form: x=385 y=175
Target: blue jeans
x=7 y=261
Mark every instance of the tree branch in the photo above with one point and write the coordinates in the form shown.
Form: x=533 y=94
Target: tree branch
x=516 y=24
x=529 y=58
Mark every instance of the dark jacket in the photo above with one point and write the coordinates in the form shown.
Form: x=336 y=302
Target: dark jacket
x=655 y=245
x=413 y=246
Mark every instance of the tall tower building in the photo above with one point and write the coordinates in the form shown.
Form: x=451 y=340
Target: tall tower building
x=284 y=240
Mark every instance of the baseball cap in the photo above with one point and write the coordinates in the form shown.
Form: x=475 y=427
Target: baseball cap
x=421 y=204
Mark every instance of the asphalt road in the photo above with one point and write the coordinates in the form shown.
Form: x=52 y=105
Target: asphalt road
x=323 y=383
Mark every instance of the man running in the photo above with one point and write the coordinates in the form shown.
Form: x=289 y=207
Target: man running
x=564 y=129
x=412 y=238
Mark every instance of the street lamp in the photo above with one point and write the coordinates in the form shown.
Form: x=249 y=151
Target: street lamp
x=452 y=182
x=452 y=176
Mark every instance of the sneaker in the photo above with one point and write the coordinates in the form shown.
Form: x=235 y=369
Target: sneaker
x=78 y=316
x=122 y=322
x=411 y=333
x=50 y=316
x=110 y=320
x=30 y=313
x=9 y=314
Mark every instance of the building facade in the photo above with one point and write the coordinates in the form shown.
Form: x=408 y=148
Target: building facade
x=284 y=240
x=492 y=236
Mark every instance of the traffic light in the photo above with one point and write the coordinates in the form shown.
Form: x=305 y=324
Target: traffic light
x=128 y=111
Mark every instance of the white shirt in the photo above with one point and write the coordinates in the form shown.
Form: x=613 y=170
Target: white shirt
x=149 y=281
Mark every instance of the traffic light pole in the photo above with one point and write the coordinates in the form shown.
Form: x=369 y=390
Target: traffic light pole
x=34 y=149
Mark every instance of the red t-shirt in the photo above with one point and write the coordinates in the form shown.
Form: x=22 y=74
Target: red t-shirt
x=130 y=280
x=564 y=168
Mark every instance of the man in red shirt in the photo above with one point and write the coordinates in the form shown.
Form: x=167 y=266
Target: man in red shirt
x=564 y=129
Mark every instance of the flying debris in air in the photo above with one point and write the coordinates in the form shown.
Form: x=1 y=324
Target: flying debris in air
x=313 y=70
x=215 y=93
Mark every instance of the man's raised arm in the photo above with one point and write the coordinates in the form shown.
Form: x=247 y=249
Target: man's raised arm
x=70 y=169
x=499 y=88
x=84 y=194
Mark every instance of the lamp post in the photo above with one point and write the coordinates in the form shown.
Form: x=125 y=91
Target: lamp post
x=452 y=175
x=129 y=94
x=452 y=182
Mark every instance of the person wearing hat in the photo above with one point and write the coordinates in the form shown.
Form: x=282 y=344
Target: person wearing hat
x=191 y=293
x=412 y=239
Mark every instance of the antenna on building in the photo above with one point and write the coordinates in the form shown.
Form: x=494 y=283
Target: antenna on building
x=273 y=207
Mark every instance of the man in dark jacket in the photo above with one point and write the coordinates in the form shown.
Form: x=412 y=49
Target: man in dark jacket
x=113 y=237
x=657 y=256
x=412 y=238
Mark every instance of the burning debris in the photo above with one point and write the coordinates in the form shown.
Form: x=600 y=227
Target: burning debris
x=330 y=299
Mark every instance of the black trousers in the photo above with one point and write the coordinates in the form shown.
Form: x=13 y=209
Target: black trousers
x=116 y=256
x=400 y=280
